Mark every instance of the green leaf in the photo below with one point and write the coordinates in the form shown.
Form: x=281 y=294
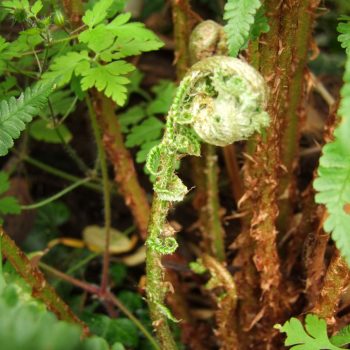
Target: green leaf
x=131 y=117
x=43 y=130
x=260 y=25
x=333 y=182
x=95 y=343
x=149 y=130
x=342 y=338
x=313 y=337
x=98 y=13
x=113 y=330
x=109 y=79
x=165 y=91
x=9 y=205
x=4 y=182
x=131 y=300
x=118 y=346
x=132 y=39
x=15 y=113
x=36 y=8
x=27 y=41
x=63 y=67
x=61 y=102
x=98 y=38
x=124 y=331
x=118 y=272
x=239 y=15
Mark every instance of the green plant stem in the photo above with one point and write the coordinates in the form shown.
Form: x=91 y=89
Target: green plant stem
x=78 y=265
x=34 y=277
x=61 y=174
x=67 y=147
x=55 y=196
x=137 y=323
x=156 y=287
x=216 y=231
x=106 y=193
x=107 y=296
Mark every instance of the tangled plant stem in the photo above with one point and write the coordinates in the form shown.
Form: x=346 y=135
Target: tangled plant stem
x=221 y=100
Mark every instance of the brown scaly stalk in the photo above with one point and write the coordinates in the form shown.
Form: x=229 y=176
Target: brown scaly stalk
x=336 y=280
x=225 y=315
x=124 y=169
x=315 y=262
x=182 y=31
x=305 y=12
x=36 y=280
x=263 y=171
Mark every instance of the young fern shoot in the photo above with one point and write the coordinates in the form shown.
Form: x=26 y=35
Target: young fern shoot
x=220 y=100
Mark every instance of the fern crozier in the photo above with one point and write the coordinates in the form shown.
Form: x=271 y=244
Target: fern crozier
x=227 y=100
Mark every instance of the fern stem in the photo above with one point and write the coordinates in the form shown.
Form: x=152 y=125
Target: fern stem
x=106 y=192
x=34 y=277
x=182 y=30
x=225 y=315
x=336 y=280
x=214 y=226
x=55 y=196
x=156 y=287
x=298 y=32
x=264 y=171
x=124 y=169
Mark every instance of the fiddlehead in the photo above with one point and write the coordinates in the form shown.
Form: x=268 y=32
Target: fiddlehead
x=220 y=100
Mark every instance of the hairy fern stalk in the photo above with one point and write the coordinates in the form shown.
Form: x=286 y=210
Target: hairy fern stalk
x=221 y=100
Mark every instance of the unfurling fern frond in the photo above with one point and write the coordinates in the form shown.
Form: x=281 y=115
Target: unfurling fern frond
x=333 y=183
x=15 y=113
x=240 y=15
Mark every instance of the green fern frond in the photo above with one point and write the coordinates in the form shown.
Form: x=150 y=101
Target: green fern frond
x=240 y=15
x=314 y=336
x=333 y=182
x=16 y=113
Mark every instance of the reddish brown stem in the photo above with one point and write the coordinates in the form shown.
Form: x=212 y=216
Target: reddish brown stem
x=233 y=172
x=34 y=277
x=125 y=173
x=336 y=279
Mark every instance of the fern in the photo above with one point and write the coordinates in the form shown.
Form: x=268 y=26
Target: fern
x=333 y=182
x=313 y=337
x=239 y=15
x=15 y=113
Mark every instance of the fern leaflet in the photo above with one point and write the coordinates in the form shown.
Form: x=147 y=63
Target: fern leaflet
x=15 y=113
x=333 y=182
x=314 y=336
x=239 y=15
